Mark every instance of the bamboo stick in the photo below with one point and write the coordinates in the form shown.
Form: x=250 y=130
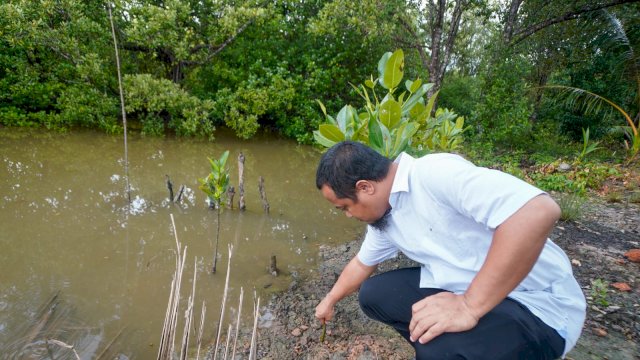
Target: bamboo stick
x=235 y=339
x=63 y=345
x=226 y=347
x=188 y=315
x=241 y=205
x=104 y=351
x=122 y=107
x=167 y=341
x=224 y=301
x=46 y=313
x=201 y=329
x=254 y=334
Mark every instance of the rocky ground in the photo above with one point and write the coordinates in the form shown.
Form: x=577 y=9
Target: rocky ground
x=596 y=245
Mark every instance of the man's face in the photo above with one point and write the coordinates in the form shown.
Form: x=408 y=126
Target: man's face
x=367 y=208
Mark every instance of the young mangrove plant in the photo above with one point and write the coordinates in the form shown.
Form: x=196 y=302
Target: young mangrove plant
x=215 y=186
x=395 y=122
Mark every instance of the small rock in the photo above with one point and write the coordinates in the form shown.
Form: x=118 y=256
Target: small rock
x=576 y=262
x=303 y=327
x=296 y=332
x=564 y=167
x=621 y=286
x=600 y=332
x=633 y=255
x=612 y=308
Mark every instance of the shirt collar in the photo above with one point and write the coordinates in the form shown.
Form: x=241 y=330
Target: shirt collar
x=401 y=179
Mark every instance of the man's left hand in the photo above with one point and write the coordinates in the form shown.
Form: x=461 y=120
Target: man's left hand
x=440 y=313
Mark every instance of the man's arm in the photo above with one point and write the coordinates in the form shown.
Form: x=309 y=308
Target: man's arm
x=515 y=247
x=349 y=281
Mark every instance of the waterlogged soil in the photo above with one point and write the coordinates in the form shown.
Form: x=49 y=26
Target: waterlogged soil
x=595 y=243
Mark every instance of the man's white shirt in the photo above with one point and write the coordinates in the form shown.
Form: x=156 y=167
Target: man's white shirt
x=444 y=213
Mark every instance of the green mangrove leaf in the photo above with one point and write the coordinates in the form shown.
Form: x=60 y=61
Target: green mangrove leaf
x=320 y=139
x=390 y=113
x=394 y=69
x=382 y=64
x=375 y=135
x=415 y=97
x=415 y=86
x=324 y=109
x=331 y=132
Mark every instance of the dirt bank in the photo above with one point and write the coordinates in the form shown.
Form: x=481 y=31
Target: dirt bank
x=595 y=244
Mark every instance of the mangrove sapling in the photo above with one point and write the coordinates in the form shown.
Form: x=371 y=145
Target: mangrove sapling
x=215 y=186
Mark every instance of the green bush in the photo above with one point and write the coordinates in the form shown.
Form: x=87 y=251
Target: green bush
x=87 y=107
x=162 y=105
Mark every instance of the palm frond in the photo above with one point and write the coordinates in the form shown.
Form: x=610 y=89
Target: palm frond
x=590 y=102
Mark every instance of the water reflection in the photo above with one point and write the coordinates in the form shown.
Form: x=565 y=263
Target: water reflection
x=66 y=226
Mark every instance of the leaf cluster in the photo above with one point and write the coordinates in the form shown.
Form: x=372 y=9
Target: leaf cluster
x=217 y=181
x=392 y=123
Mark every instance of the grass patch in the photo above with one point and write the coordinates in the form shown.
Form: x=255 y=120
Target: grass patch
x=571 y=206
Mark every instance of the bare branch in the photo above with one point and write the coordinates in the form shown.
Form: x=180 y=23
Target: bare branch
x=571 y=15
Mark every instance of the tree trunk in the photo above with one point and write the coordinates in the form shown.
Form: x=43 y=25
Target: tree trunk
x=511 y=20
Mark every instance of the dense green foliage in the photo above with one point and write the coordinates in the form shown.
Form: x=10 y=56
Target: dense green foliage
x=192 y=66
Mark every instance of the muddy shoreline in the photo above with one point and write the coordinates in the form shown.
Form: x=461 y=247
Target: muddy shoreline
x=596 y=245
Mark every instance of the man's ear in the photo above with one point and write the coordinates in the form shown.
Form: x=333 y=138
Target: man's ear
x=366 y=186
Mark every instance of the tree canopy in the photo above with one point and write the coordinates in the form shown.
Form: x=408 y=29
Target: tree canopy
x=191 y=66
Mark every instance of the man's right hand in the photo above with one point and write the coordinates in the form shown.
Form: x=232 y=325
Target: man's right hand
x=324 y=310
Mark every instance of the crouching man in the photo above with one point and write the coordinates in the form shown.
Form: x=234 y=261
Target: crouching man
x=491 y=285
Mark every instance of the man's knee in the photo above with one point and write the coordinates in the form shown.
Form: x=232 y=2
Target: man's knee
x=368 y=296
x=441 y=349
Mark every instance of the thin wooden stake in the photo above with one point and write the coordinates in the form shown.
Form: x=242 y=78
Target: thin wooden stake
x=201 y=329
x=263 y=195
x=104 y=351
x=226 y=347
x=124 y=113
x=224 y=301
x=188 y=314
x=170 y=187
x=180 y=193
x=241 y=205
x=63 y=345
x=230 y=194
x=254 y=334
x=167 y=340
x=235 y=339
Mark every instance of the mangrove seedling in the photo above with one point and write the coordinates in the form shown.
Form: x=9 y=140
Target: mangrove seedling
x=215 y=186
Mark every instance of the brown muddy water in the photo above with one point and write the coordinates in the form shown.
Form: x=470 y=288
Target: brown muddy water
x=66 y=229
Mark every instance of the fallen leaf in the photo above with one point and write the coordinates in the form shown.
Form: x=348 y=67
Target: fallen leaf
x=633 y=255
x=575 y=262
x=600 y=332
x=621 y=286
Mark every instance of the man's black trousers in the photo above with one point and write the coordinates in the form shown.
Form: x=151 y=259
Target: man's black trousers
x=509 y=331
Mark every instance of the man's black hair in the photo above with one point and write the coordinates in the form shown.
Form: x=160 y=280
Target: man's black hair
x=347 y=162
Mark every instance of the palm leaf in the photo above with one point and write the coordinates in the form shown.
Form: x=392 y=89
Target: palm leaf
x=590 y=102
